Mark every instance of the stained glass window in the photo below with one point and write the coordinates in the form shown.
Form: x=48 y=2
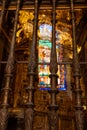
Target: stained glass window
x=43 y=58
x=44 y=50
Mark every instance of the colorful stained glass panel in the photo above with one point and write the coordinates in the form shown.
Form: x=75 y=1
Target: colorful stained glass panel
x=45 y=31
x=44 y=51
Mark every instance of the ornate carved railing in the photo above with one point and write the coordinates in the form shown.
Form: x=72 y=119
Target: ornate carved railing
x=76 y=73
x=29 y=111
x=8 y=73
x=53 y=117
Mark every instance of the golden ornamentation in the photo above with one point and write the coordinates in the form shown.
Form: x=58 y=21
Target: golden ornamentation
x=45 y=17
x=63 y=25
x=25 y=16
x=25 y=26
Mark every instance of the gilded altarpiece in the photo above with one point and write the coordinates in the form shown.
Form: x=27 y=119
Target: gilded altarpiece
x=22 y=53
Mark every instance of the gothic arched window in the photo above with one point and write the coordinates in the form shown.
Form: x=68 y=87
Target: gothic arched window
x=44 y=50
